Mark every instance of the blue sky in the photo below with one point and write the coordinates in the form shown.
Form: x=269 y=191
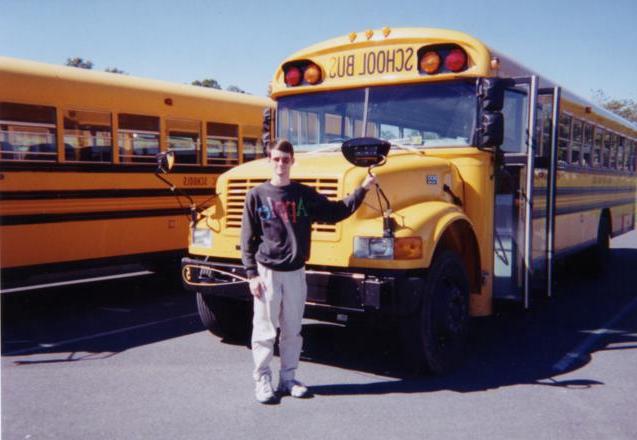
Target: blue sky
x=584 y=45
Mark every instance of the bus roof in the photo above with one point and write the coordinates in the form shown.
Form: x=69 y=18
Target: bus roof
x=345 y=62
x=55 y=72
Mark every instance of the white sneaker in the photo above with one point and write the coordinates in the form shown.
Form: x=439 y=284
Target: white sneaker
x=292 y=387
x=263 y=391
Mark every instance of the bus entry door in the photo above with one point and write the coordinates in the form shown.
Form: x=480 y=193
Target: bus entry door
x=520 y=235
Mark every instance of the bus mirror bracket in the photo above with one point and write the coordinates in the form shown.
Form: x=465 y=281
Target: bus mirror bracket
x=370 y=153
x=165 y=163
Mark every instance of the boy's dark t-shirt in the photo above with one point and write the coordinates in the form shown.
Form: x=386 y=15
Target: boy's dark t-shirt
x=277 y=221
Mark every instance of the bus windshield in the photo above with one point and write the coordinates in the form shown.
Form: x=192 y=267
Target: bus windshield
x=420 y=116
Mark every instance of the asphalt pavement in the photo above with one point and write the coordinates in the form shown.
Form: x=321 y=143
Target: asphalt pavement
x=129 y=359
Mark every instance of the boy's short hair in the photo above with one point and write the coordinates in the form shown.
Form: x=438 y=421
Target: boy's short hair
x=282 y=145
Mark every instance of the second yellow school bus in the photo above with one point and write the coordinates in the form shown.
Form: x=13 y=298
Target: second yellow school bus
x=494 y=173
x=77 y=165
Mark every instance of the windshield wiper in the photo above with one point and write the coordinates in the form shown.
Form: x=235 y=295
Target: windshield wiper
x=396 y=143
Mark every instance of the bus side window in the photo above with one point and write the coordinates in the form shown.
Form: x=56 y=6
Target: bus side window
x=587 y=148
x=28 y=132
x=576 y=144
x=252 y=149
x=87 y=136
x=184 y=140
x=612 y=162
x=223 y=144
x=138 y=138
x=606 y=150
x=598 y=147
x=621 y=154
x=564 y=139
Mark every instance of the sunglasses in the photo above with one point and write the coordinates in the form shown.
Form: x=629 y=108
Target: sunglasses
x=284 y=160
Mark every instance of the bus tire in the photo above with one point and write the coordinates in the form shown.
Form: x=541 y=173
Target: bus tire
x=600 y=253
x=438 y=332
x=224 y=317
x=207 y=314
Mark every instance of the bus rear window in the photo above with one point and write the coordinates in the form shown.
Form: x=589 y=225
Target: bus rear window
x=27 y=132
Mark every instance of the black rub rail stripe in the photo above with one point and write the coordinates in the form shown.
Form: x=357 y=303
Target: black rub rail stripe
x=101 y=194
x=541 y=212
x=13 y=220
x=587 y=190
x=6 y=166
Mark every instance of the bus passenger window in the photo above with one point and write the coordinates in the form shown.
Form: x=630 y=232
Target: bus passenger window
x=184 y=140
x=27 y=132
x=612 y=161
x=138 y=138
x=606 y=150
x=587 y=148
x=576 y=144
x=564 y=139
x=620 y=153
x=252 y=149
x=223 y=141
x=598 y=146
x=87 y=136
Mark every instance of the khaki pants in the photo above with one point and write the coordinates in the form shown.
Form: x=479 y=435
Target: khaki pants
x=281 y=306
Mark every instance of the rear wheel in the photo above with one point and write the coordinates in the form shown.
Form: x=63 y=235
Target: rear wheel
x=436 y=336
x=225 y=317
x=599 y=255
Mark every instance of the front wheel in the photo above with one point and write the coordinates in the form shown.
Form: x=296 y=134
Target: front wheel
x=224 y=317
x=436 y=336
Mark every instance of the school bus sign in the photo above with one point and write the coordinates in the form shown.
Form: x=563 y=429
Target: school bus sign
x=372 y=62
x=390 y=59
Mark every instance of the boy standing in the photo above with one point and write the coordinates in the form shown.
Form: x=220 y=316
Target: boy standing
x=275 y=243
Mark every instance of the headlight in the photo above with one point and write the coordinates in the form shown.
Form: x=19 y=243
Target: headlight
x=202 y=238
x=374 y=247
x=400 y=248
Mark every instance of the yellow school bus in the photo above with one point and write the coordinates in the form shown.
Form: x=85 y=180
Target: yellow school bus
x=492 y=174
x=77 y=167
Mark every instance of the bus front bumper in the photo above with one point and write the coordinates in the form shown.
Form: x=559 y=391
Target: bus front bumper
x=347 y=291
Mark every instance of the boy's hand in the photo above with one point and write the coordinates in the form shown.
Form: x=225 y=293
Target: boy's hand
x=257 y=287
x=369 y=181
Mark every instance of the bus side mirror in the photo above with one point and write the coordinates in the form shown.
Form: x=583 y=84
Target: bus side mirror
x=365 y=152
x=490 y=129
x=165 y=161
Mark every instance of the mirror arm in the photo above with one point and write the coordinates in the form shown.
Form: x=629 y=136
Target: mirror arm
x=194 y=212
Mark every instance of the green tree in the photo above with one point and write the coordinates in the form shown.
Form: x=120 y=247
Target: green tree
x=235 y=89
x=79 y=62
x=210 y=83
x=115 y=70
x=626 y=108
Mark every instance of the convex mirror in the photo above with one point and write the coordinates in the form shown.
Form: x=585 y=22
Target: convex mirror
x=365 y=151
x=165 y=161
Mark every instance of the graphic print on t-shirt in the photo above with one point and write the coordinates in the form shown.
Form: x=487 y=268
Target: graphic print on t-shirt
x=287 y=210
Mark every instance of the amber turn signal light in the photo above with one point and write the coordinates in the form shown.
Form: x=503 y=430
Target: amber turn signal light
x=430 y=62
x=312 y=74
